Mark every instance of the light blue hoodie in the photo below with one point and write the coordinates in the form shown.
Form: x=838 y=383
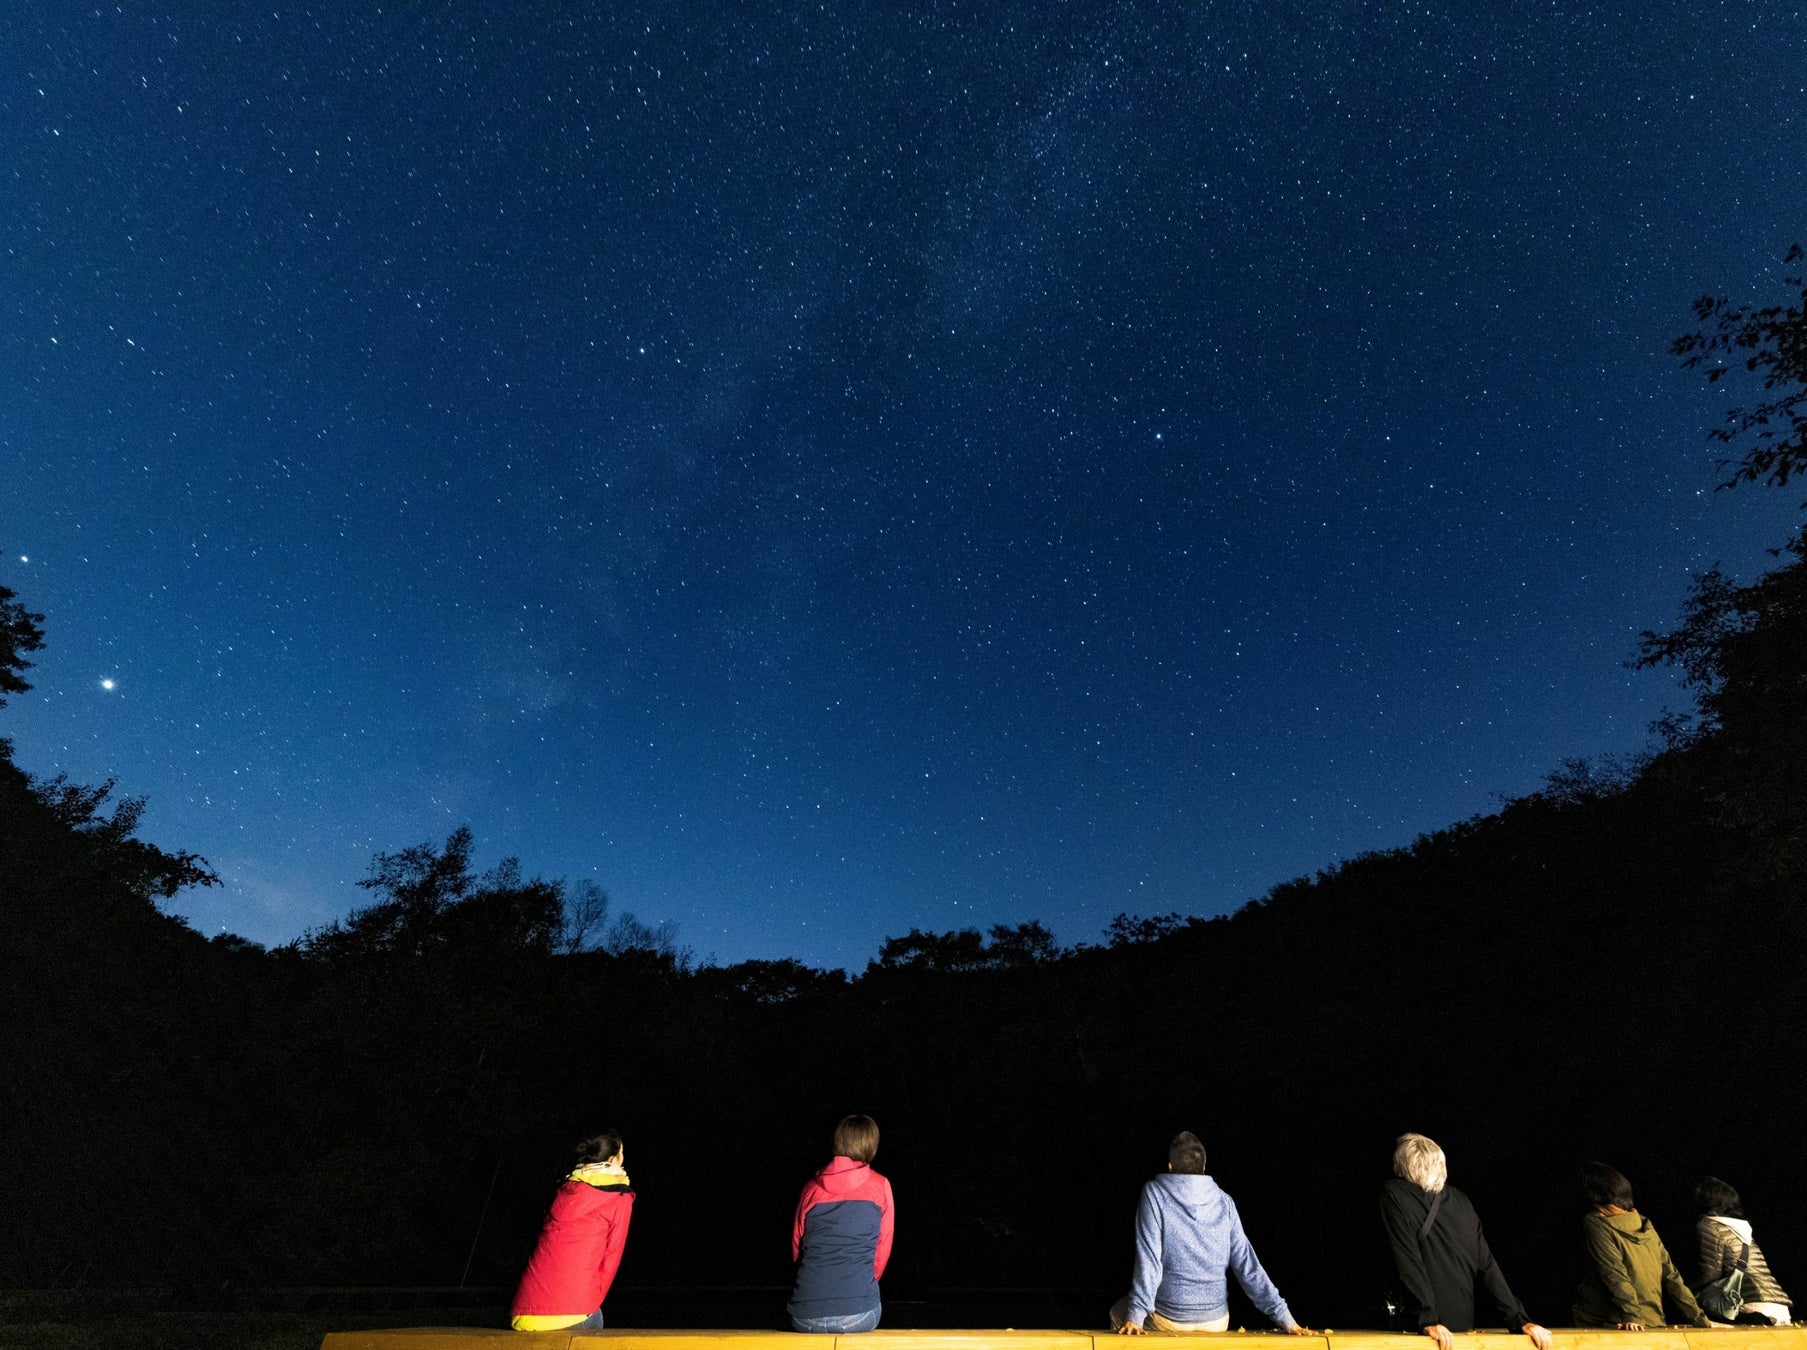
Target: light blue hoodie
x=1188 y=1236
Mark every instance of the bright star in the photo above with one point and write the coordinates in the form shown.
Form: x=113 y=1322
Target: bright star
x=106 y=684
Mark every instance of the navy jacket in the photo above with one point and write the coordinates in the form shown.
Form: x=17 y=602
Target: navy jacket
x=841 y=1239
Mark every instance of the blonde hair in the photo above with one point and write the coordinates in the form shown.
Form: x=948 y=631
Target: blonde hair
x=1419 y=1160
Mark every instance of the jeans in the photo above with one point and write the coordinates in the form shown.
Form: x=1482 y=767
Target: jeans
x=844 y=1324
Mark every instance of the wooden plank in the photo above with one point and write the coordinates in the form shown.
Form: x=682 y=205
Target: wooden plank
x=447 y=1338
x=972 y=1340
x=483 y=1338
x=1654 y=1339
x=1466 y=1340
x=1749 y=1338
x=687 y=1340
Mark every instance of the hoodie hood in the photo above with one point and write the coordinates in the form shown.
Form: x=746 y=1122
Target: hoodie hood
x=844 y=1174
x=1632 y=1225
x=1195 y=1193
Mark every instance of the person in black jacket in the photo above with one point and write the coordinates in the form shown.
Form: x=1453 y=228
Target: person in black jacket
x=1438 y=1248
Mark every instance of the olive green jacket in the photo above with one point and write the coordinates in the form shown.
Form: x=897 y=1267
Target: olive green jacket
x=1629 y=1273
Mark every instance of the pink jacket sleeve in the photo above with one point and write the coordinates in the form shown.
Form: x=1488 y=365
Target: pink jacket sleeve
x=886 y=1217
x=803 y=1201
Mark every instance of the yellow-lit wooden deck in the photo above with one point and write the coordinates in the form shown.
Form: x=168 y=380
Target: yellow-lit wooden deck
x=472 y=1338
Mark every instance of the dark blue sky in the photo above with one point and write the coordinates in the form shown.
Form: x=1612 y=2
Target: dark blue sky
x=822 y=470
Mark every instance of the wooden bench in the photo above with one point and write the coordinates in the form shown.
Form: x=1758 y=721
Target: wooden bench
x=477 y=1338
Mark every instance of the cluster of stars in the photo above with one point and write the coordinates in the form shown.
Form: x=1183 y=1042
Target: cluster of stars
x=1195 y=443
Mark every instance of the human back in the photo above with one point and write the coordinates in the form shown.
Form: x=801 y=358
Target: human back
x=841 y=1237
x=1726 y=1243
x=1189 y=1238
x=1439 y=1251
x=1447 y=1248
x=581 y=1242
x=1200 y=1232
x=1629 y=1274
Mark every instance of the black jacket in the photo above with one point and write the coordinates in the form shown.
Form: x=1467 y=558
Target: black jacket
x=1437 y=1273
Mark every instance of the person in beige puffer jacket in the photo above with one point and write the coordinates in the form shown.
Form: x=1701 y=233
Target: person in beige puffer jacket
x=1724 y=1231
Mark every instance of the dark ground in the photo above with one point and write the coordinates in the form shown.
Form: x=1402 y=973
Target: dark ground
x=297 y=1319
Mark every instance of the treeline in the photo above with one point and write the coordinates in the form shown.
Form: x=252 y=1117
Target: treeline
x=1610 y=968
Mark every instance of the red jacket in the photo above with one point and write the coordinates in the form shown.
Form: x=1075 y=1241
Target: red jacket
x=579 y=1250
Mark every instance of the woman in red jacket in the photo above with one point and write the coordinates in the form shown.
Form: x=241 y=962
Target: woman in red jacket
x=580 y=1245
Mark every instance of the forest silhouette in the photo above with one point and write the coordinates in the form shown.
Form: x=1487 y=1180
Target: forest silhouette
x=1609 y=967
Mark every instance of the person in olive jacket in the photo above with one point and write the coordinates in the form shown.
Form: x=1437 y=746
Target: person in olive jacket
x=1629 y=1270
x=1439 y=1250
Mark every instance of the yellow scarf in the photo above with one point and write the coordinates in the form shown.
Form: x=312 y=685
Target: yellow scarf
x=600 y=1174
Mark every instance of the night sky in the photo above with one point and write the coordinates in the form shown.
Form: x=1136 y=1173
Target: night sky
x=818 y=470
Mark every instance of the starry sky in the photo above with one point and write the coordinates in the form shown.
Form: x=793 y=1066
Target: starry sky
x=819 y=470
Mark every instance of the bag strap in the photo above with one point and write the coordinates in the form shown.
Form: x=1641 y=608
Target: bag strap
x=1744 y=1260
x=1431 y=1218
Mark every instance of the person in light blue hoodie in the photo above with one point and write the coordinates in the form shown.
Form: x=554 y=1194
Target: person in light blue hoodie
x=1188 y=1238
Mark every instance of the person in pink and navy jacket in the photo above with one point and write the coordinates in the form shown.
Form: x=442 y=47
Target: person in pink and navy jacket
x=580 y=1245
x=841 y=1238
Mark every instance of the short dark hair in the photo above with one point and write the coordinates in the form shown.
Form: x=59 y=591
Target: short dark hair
x=1713 y=1196
x=856 y=1137
x=1603 y=1185
x=1186 y=1153
x=598 y=1147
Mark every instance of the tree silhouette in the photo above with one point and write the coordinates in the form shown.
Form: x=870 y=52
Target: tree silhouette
x=1743 y=651
x=1025 y=945
x=586 y=916
x=1771 y=342
x=432 y=901
x=21 y=631
x=1126 y=929
x=62 y=839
